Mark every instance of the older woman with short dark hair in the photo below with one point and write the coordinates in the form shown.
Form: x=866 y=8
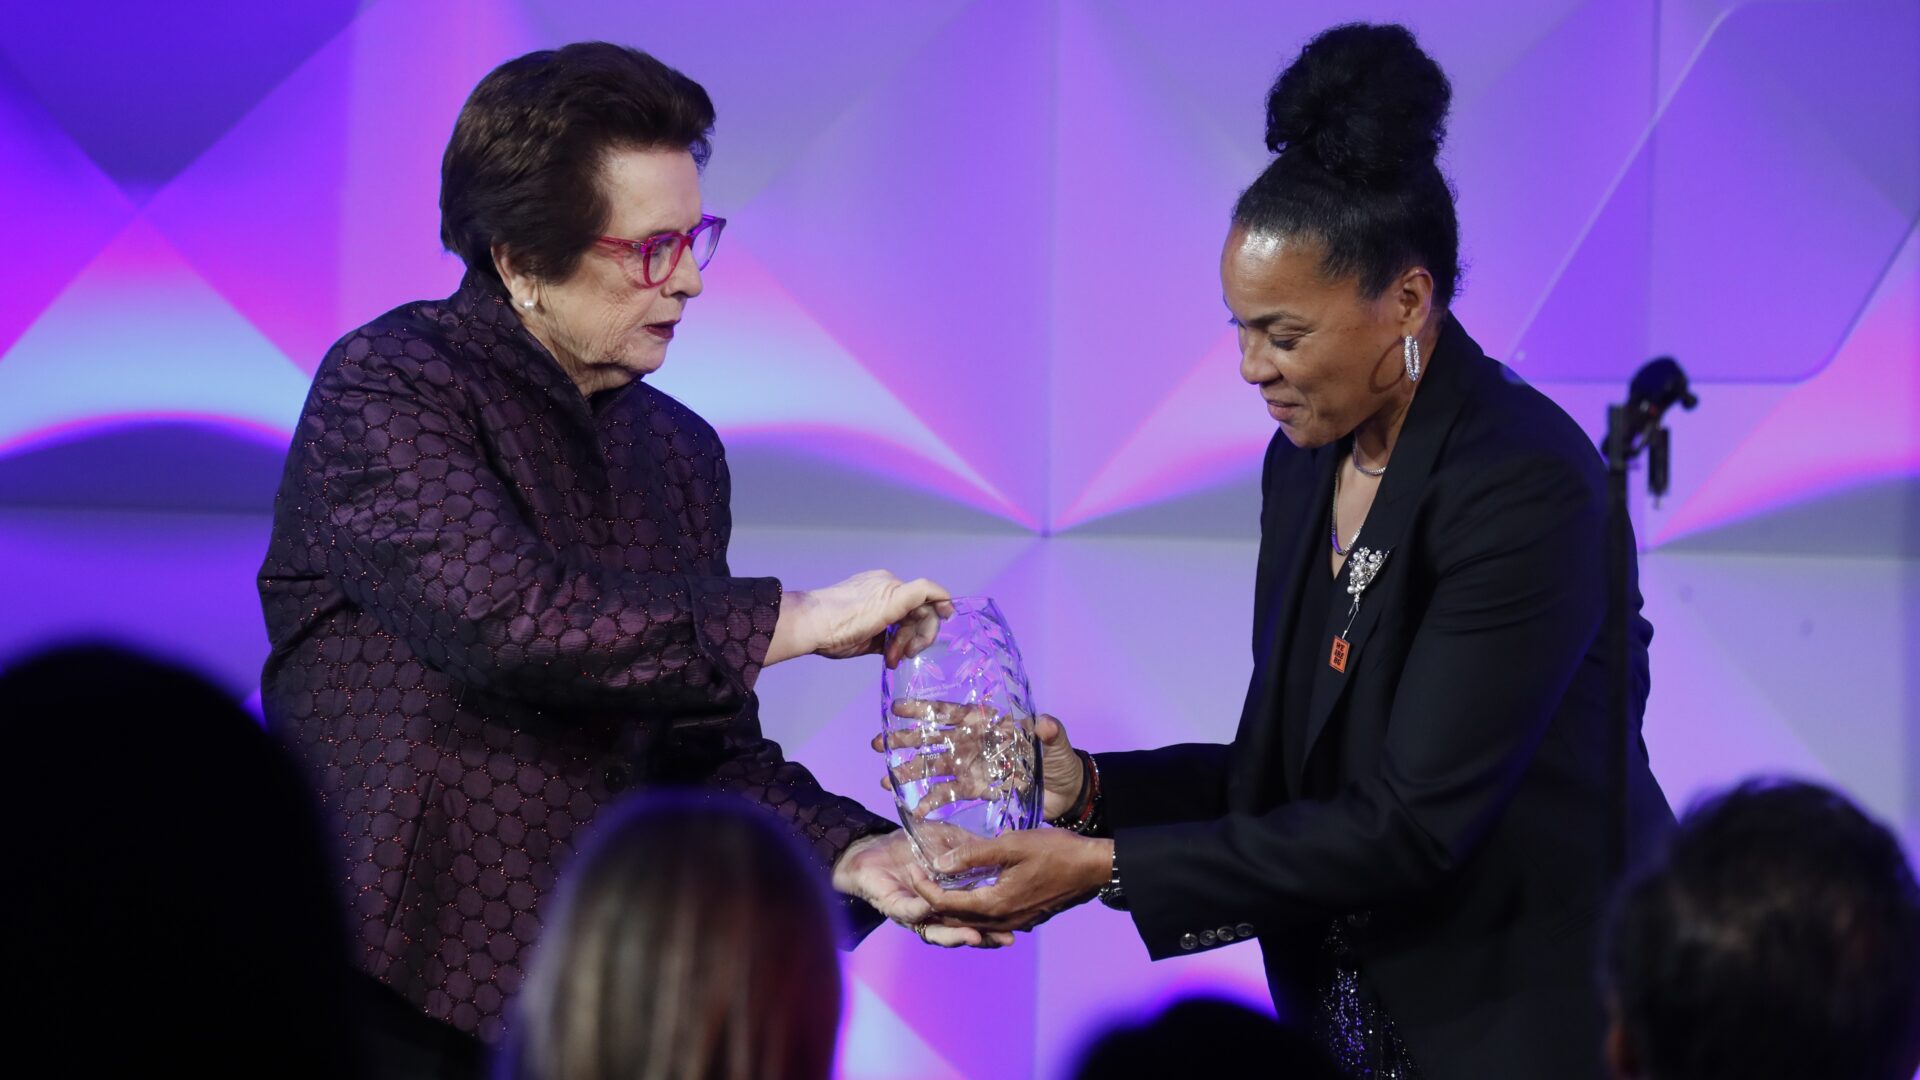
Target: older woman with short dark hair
x=498 y=590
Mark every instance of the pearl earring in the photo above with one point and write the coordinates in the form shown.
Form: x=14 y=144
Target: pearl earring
x=528 y=304
x=1410 y=355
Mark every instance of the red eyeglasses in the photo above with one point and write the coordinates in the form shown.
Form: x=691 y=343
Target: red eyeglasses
x=652 y=261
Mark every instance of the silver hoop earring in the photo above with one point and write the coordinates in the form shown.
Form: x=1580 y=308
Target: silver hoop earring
x=1410 y=355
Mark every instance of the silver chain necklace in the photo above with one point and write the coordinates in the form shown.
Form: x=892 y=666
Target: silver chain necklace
x=1364 y=471
x=1333 y=517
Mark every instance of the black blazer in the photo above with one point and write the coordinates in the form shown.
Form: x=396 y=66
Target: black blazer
x=1460 y=827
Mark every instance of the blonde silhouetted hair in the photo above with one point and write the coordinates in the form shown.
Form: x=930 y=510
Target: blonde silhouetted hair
x=692 y=940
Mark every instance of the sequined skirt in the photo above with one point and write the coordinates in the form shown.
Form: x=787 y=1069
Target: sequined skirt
x=1349 y=1023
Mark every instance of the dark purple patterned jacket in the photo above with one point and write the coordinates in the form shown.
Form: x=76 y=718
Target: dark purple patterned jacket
x=493 y=604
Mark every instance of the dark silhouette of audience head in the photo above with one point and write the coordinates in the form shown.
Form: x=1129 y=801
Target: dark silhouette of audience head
x=174 y=902
x=691 y=938
x=1204 y=1036
x=171 y=890
x=1778 y=936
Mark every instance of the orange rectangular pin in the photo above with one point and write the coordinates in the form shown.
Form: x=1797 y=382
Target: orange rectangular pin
x=1338 y=659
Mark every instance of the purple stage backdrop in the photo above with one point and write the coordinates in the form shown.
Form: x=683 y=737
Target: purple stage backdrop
x=966 y=324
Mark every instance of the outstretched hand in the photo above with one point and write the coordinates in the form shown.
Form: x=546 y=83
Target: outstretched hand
x=851 y=619
x=951 y=733
x=1042 y=873
x=881 y=870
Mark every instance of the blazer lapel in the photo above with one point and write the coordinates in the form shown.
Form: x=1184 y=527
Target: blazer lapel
x=1284 y=565
x=1429 y=419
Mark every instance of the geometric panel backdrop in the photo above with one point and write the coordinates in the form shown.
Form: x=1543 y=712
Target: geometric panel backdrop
x=967 y=324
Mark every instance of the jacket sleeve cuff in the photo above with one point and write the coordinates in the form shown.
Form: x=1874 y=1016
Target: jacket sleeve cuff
x=734 y=620
x=1173 y=917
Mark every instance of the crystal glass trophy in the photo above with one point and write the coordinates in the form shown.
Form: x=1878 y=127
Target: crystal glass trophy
x=960 y=741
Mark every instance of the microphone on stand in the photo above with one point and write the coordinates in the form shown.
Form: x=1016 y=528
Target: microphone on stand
x=1657 y=387
x=1631 y=428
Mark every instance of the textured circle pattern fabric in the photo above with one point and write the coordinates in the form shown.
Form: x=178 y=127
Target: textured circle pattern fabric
x=493 y=605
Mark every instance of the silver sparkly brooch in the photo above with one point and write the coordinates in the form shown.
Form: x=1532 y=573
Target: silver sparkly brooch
x=1362 y=567
x=1361 y=570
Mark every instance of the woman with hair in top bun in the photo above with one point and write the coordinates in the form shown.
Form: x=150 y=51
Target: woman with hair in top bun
x=1412 y=817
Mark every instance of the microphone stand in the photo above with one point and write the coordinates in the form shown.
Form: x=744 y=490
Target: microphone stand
x=1631 y=428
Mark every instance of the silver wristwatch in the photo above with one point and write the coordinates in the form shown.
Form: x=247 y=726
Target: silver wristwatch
x=1111 y=894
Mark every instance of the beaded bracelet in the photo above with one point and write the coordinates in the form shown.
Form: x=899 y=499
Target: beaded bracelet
x=1080 y=819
